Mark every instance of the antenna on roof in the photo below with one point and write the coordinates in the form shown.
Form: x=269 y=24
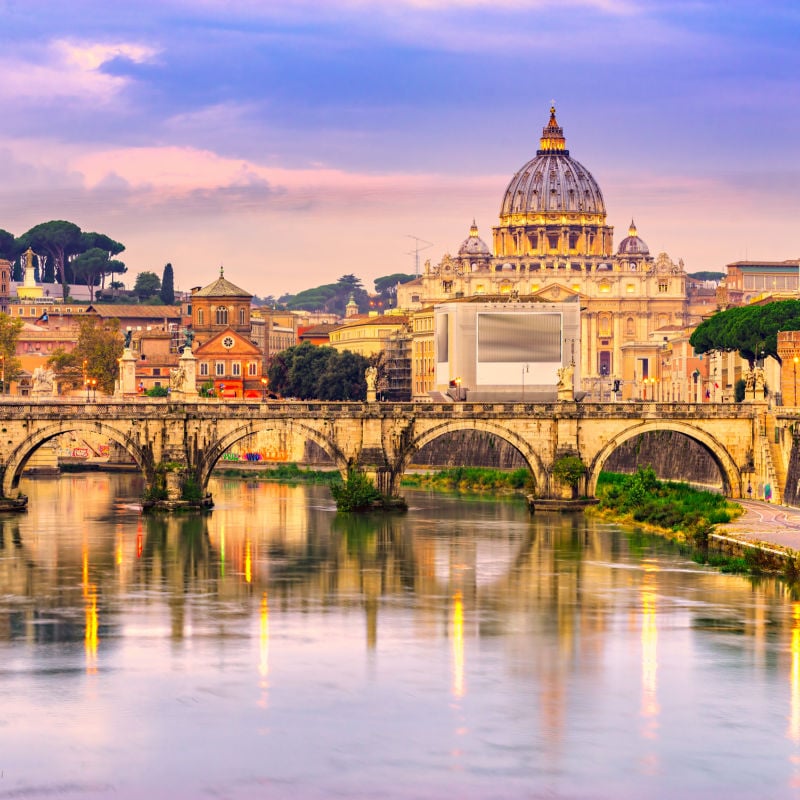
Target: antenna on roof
x=417 y=249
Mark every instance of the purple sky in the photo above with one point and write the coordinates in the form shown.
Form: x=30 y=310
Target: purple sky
x=297 y=141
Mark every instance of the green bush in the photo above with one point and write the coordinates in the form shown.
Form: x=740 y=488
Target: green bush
x=157 y=391
x=356 y=493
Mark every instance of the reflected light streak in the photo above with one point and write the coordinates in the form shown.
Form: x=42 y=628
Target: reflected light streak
x=222 y=550
x=90 y=595
x=458 y=645
x=248 y=562
x=650 y=707
x=91 y=637
x=263 y=650
x=794 y=719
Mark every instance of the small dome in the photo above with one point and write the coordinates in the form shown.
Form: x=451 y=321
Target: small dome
x=632 y=245
x=473 y=245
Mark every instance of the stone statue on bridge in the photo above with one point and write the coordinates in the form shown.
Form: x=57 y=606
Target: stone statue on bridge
x=43 y=382
x=177 y=379
x=371 y=376
x=566 y=383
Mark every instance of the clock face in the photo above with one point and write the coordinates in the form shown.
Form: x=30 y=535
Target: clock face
x=228 y=342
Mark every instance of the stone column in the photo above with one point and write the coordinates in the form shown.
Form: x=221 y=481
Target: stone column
x=126 y=385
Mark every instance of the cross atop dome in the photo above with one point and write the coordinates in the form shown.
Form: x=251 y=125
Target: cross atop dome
x=552 y=140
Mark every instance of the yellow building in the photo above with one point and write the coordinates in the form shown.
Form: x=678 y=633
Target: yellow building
x=367 y=336
x=553 y=243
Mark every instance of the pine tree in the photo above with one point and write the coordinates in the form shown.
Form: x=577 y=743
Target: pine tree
x=167 y=292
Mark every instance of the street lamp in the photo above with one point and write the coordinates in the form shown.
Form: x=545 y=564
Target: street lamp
x=525 y=368
x=3 y=362
x=93 y=384
x=794 y=394
x=264 y=389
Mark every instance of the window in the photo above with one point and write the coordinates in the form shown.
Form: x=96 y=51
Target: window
x=252 y=368
x=219 y=368
x=222 y=316
x=236 y=369
x=156 y=370
x=204 y=368
x=663 y=286
x=200 y=317
x=242 y=319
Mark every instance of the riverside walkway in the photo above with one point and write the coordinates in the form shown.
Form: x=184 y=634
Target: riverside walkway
x=764 y=524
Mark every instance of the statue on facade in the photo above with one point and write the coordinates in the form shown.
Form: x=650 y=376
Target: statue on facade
x=188 y=338
x=128 y=336
x=43 y=380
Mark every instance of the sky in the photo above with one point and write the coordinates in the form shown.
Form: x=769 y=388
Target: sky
x=295 y=142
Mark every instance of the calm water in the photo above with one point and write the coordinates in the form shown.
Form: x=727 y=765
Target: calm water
x=276 y=650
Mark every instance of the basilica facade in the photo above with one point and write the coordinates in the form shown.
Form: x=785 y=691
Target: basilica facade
x=553 y=244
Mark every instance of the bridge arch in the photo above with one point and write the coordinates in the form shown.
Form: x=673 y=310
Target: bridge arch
x=214 y=453
x=531 y=457
x=23 y=451
x=728 y=469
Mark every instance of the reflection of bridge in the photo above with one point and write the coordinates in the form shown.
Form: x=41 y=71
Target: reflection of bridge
x=382 y=438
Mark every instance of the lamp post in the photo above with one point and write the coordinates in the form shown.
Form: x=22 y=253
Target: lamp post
x=93 y=386
x=525 y=368
x=86 y=384
x=264 y=389
x=3 y=362
x=794 y=383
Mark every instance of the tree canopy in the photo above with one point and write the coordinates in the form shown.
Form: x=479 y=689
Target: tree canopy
x=167 y=293
x=59 y=244
x=750 y=330
x=147 y=285
x=96 y=354
x=10 y=328
x=309 y=372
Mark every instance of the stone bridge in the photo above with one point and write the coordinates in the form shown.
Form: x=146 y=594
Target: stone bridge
x=381 y=439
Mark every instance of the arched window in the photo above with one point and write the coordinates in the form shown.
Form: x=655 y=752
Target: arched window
x=242 y=319
x=222 y=315
x=200 y=316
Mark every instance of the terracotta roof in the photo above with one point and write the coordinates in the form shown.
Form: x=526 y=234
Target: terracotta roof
x=145 y=312
x=221 y=287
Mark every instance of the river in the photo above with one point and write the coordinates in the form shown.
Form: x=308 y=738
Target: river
x=275 y=649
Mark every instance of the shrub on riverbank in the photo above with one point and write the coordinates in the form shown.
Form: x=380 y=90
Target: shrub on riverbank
x=666 y=505
x=471 y=479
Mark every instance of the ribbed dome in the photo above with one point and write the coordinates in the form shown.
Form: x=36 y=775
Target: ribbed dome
x=473 y=245
x=552 y=181
x=632 y=245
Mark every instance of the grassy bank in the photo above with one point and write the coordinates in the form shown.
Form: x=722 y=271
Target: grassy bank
x=669 y=507
x=471 y=479
x=281 y=473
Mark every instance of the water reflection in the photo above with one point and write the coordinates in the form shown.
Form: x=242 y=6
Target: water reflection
x=464 y=639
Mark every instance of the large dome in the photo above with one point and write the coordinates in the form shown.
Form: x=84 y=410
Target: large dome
x=552 y=182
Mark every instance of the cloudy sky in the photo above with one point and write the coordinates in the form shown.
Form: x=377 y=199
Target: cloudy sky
x=296 y=141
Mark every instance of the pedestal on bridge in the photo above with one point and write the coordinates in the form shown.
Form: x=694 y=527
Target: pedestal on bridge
x=126 y=383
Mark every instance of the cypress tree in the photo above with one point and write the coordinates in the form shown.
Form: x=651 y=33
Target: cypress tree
x=167 y=292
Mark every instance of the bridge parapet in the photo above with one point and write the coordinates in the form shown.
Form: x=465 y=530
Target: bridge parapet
x=381 y=438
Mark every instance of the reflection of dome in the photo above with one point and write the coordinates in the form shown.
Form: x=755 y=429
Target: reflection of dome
x=632 y=245
x=552 y=181
x=473 y=245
